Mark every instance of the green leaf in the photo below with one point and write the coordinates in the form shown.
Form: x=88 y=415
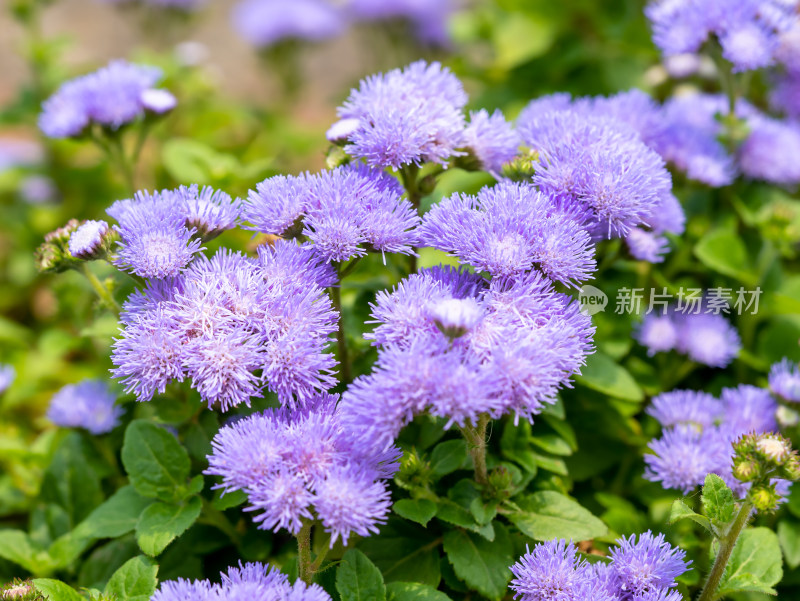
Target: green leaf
x=228 y=500
x=453 y=513
x=404 y=552
x=722 y=250
x=680 y=510
x=755 y=564
x=481 y=564
x=552 y=443
x=515 y=444
x=117 y=516
x=718 y=502
x=188 y=160
x=603 y=374
x=357 y=578
x=789 y=537
x=448 y=456
x=413 y=591
x=161 y=523
x=17 y=546
x=55 y=590
x=157 y=464
x=547 y=515
x=416 y=510
x=134 y=581
x=70 y=480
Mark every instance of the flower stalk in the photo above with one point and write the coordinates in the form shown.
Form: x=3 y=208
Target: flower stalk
x=726 y=544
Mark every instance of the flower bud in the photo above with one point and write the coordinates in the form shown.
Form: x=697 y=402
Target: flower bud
x=500 y=482
x=521 y=168
x=20 y=591
x=745 y=470
x=773 y=448
x=787 y=417
x=456 y=316
x=92 y=240
x=764 y=498
x=54 y=255
x=791 y=468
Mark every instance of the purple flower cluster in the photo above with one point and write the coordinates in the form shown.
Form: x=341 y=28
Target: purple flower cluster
x=706 y=338
x=111 y=97
x=264 y=23
x=301 y=465
x=232 y=325
x=699 y=431
x=509 y=229
x=427 y=17
x=640 y=570
x=595 y=155
x=457 y=346
x=88 y=405
x=161 y=232
x=343 y=212
x=784 y=381
x=748 y=31
x=409 y=116
x=253 y=581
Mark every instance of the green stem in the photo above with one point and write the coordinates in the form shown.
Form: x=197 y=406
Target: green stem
x=476 y=444
x=341 y=338
x=349 y=268
x=305 y=569
x=103 y=292
x=123 y=164
x=318 y=561
x=726 y=545
x=409 y=174
x=214 y=517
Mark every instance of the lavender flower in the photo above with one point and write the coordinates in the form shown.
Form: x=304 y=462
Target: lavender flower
x=784 y=380
x=111 y=97
x=88 y=239
x=595 y=161
x=749 y=409
x=407 y=117
x=516 y=352
x=646 y=246
x=686 y=407
x=428 y=17
x=682 y=457
x=343 y=212
x=248 y=581
x=647 y=565
x=7 y=376
x=210 y=212
x=264 y=23
x=222 y=321
x=509 y=229
x=767 y=152
x=89 y=405
x=289 y=463
x=491 y=139
x=552 y=570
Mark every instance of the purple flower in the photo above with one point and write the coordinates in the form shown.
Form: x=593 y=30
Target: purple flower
x=767 y=152
x=407 y=117
x=528 y=342
x=209 y=211
x=784 y=380
x=456 y=316
x=551 y=571
x=112 y=97
x=658 y=333
x=785 y=94
x=264 y=23
x=285 y=262
x=7 y=376
x=87 y=239
x=686 y=407
x=596 y=161
x=508 y=230
x=646 y=246
x=248 y=581
x=683 y=456
x=707 y=338
x=89 y=405
x=491 y=139
x=292 y=461
x=343 y=212
x=749 y=409
x=428 y=17
x=647 y=565
x=223 y=321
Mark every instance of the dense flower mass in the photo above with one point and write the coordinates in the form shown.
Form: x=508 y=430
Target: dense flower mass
x=407 y=116
x=343 y=212
x=706 y=338
x=520 y=343
x=293 y=463
x=232 y=325
x=643 y=569
x=264 y=23
x=594 y=155
x=748 y=31
x=252 y=581
x=784 y=381
x=699 y=431
x=88 y=405
x=509 y=229
x=111 y=97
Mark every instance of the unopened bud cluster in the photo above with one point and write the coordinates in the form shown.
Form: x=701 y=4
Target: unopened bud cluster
x=20 y=590
x=760 y=459
x=66 y=247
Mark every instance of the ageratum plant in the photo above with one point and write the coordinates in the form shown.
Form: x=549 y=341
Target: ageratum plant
x=381 y=379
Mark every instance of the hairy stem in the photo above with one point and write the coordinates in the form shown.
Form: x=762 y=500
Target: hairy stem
x=476 y=445
x=341 y=338
x=103 y=292
x=726 y=545
x=305 y=569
